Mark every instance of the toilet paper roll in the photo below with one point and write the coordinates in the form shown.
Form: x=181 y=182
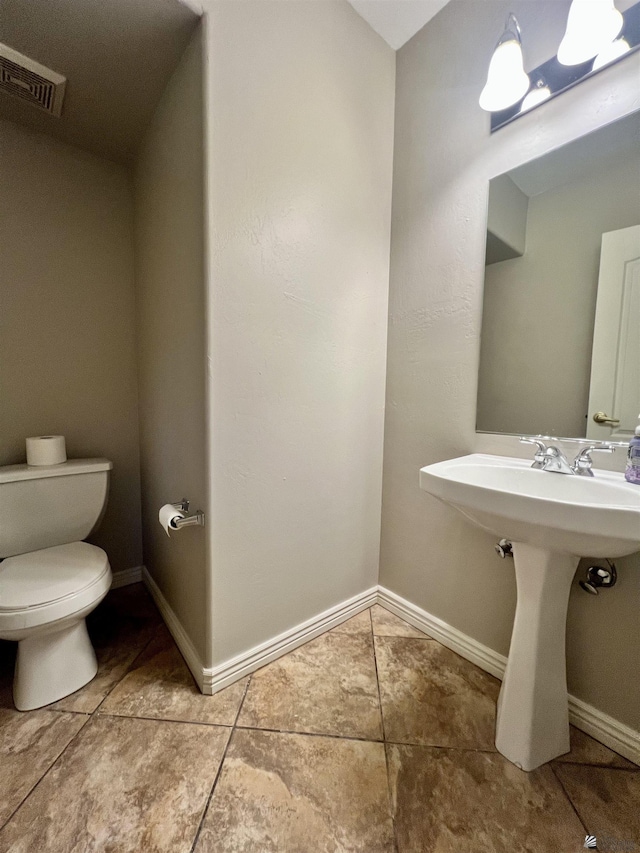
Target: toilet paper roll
x=46 y=450
x=167 y=514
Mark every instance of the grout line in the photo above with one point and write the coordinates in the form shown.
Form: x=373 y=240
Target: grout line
x=479 y=749
x=107 y=715
x=86 y=714
x=126 y=672
x=556 y=762
x=367 y=739
x=307 y=734
x=51 y=710
x=403 y=636
x=384 y=739
x=47 y=771
x=391 y=798
x=375 y=663
x=244 y=696
x=219 y=770
x=564 y=791
x=210 y=797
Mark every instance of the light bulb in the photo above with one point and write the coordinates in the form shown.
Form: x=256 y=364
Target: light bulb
x=536 y=96
x=507 y=81
x=591 y=26
x=612 y=51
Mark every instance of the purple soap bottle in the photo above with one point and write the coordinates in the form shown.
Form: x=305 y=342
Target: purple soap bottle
x=632 y=473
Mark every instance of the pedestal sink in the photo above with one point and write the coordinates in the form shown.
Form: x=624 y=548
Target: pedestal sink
x=552 y=521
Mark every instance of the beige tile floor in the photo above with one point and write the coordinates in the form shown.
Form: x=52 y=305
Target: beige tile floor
x=372 y=738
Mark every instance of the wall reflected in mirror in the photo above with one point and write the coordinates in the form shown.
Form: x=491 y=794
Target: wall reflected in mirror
x=561 y=318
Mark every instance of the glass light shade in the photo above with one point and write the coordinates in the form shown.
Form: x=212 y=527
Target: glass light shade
x=535 y=96
x=612 y=51
x=507 y=81
x=591 y=26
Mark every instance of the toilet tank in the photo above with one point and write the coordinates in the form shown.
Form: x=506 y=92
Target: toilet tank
x=51 y=505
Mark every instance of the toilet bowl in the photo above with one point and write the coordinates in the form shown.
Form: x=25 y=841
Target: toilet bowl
x=45 y=596
x=49 y=579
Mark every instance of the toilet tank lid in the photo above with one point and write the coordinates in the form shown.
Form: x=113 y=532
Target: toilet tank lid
x=13 y=473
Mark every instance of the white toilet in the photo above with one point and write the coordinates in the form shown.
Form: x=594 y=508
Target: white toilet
x=50 y=579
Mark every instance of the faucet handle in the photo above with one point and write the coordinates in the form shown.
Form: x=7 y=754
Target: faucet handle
x=582 y=463
x=541 y=449
x=525 y=439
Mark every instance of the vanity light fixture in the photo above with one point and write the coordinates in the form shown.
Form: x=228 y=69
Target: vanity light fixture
x=612 y=51
x=591 y=26
x=597 y=35
x=507 y=81
x=537 y=95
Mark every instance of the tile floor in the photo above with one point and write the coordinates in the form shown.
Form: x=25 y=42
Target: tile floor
x=372 y=737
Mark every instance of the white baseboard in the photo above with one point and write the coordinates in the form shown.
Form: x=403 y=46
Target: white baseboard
x=617 y=736
x=212 y=679
x=462 y=644
x=218 y=677
x=609 y=731
x=187 y=649
x=126 y=576
x=612 y=733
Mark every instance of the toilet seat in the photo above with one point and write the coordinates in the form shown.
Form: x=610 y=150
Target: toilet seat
x=51 y=584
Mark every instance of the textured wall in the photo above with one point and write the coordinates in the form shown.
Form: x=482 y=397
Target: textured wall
x=67 y=349
x=300 y=154
x=170 y=295
x=443 y=159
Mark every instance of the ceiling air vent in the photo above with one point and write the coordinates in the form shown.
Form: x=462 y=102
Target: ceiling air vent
x=31 y=82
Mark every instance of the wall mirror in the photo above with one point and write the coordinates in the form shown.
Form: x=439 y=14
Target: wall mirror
x=561 y=317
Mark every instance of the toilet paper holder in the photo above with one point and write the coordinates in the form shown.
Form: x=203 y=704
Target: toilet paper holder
x=189 y=520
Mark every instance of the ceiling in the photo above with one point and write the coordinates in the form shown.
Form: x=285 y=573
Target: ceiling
x=118 y=56
x=397 y=20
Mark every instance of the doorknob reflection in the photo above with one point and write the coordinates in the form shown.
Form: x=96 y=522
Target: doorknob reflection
x=602 y=418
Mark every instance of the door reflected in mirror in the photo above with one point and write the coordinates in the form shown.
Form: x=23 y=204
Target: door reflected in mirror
x=561 y=318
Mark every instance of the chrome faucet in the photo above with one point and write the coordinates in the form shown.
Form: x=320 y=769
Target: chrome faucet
x=551 y=458
x=548 y=457
x=583 y=462
x=556 y=461
x=541 y=447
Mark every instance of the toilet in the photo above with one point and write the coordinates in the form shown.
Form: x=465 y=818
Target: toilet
x=49 y=578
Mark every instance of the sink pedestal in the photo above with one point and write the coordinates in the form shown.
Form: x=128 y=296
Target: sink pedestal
x=548 y=517
x=533 y=712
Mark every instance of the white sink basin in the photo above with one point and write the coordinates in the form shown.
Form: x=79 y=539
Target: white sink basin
x=552 y=520
x=586 y=516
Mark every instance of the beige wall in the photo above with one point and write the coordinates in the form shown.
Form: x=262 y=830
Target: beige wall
x=539 y=310
x=506 y=220
x=444 y=157
x=300 y=146
x=169 y=207
x=67 y=352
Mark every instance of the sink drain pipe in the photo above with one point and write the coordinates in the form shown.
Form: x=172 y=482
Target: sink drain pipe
x=599 y=578
x=504 y=548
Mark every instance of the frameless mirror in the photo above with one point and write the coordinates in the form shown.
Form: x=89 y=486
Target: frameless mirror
x=560 y=348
